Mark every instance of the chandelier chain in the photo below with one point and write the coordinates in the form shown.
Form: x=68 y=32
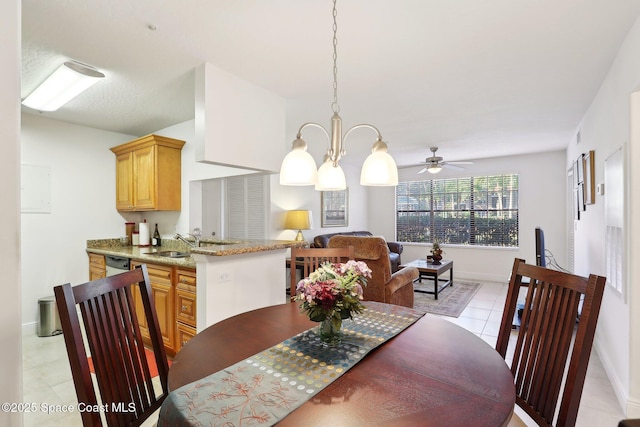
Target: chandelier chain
x=334 y=106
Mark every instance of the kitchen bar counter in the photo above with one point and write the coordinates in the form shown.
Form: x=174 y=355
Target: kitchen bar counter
x=209 y=247
x=135 y=253
x=233 y=277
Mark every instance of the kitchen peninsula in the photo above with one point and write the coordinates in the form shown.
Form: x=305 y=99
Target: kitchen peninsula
x=229 y=277
x=239 y=277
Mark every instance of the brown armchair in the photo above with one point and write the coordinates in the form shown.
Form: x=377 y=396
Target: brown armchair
x=396 y=288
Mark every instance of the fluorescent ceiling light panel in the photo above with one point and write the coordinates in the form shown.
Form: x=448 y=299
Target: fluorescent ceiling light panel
x=67 y=82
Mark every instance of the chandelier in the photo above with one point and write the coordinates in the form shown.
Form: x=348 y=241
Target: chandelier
x=299 y=168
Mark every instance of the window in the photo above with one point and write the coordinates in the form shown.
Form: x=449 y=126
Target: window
x=481 y=211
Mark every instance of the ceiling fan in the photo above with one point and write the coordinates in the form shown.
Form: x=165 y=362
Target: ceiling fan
x=435 y=163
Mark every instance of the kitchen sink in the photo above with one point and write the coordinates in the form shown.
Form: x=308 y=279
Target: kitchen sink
x=170 y=254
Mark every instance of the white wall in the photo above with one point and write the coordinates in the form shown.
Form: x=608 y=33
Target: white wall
x=605 y=128
x=235 y=118
x=542 y=179
x=82 y=200
x=10 y=332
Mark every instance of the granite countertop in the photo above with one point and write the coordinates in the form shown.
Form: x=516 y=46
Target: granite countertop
x=208 y=247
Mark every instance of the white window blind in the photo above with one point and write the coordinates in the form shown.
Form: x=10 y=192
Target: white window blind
x=480 y=211
x=247 y=206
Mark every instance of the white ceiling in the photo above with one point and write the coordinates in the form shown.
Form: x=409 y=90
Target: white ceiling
x=476 y=78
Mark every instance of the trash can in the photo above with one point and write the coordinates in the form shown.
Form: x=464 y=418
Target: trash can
x=49 y=322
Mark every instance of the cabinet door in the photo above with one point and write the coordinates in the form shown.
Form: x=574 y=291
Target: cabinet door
x=97 y=267
x=142 y=320
x=163 y=299
x=124 y=182
x=162 y=292
x=144 y=172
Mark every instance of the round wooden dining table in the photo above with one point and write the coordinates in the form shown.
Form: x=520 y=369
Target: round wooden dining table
x=434 y=373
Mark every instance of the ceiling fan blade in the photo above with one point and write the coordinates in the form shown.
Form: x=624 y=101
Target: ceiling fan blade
x=451 y=166
x=423 y=170
x=460 y=163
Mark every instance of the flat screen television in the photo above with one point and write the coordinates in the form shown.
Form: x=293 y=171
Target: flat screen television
x=541 y=259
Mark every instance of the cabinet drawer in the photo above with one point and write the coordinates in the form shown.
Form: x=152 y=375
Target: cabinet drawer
x=186 y=307
x=97 y=260
x=186 y=280
x=158 y=273
x=183 y=334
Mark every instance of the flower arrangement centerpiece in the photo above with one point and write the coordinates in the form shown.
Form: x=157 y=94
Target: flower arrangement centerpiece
x=333 y=293
x=436 y=252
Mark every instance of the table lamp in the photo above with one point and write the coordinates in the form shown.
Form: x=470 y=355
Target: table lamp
x=298 y=220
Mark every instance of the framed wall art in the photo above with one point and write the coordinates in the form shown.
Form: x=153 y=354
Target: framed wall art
x=589 y=179
x=335 y=208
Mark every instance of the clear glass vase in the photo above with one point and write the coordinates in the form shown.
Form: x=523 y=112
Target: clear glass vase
x=329 y=331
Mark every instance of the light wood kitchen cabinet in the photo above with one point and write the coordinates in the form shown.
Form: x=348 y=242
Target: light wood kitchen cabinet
x=97 y=267
x=185 y=306
x=148 y=172
x=162 y=289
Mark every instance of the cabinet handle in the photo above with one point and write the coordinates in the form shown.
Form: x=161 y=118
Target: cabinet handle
x=184 y=308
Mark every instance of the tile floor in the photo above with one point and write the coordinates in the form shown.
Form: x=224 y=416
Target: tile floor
x=47 y=377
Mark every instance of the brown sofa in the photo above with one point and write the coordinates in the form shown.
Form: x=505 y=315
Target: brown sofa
x=395 y=249
x=383 y=286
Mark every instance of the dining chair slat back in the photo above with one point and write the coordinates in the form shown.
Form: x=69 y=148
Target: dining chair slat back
x=554 y=339
x=109 y=327
x=312 y=258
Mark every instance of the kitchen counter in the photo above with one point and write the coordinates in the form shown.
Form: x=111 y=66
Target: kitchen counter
x=209 y=247
x=106 y=247
x=232 y=277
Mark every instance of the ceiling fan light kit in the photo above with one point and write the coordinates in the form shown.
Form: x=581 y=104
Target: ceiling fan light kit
x=68 y=81
x=379 y=168
x=434 y=168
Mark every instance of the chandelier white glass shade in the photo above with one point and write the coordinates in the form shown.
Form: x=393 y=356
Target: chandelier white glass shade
x=67 y=82
x=298 y=167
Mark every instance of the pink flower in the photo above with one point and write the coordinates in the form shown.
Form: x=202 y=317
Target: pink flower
x=333 y=288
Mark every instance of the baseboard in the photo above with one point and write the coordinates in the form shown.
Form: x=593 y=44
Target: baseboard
x=633 y=408
x=30 y=328
x=473 y=276
x=618 y=388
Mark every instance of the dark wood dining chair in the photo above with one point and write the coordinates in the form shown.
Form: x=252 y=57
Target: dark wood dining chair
x=112 y=334
x=552 y=347
x=312 y=258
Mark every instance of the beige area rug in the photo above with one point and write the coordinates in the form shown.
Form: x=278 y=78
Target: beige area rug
x=451 y=301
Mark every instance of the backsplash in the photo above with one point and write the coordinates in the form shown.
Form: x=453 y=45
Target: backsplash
x=167 y=244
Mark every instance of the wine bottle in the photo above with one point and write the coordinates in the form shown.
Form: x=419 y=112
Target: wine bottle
x=155 y=241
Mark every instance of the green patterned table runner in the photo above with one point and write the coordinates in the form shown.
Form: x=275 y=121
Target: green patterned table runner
x=266 y=387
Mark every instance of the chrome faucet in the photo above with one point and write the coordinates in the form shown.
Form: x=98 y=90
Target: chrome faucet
x=196 y=237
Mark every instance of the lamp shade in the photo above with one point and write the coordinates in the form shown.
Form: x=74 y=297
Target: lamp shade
x=298 y=220
x=434 y=168
x=331 y=178
x=67 y=82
